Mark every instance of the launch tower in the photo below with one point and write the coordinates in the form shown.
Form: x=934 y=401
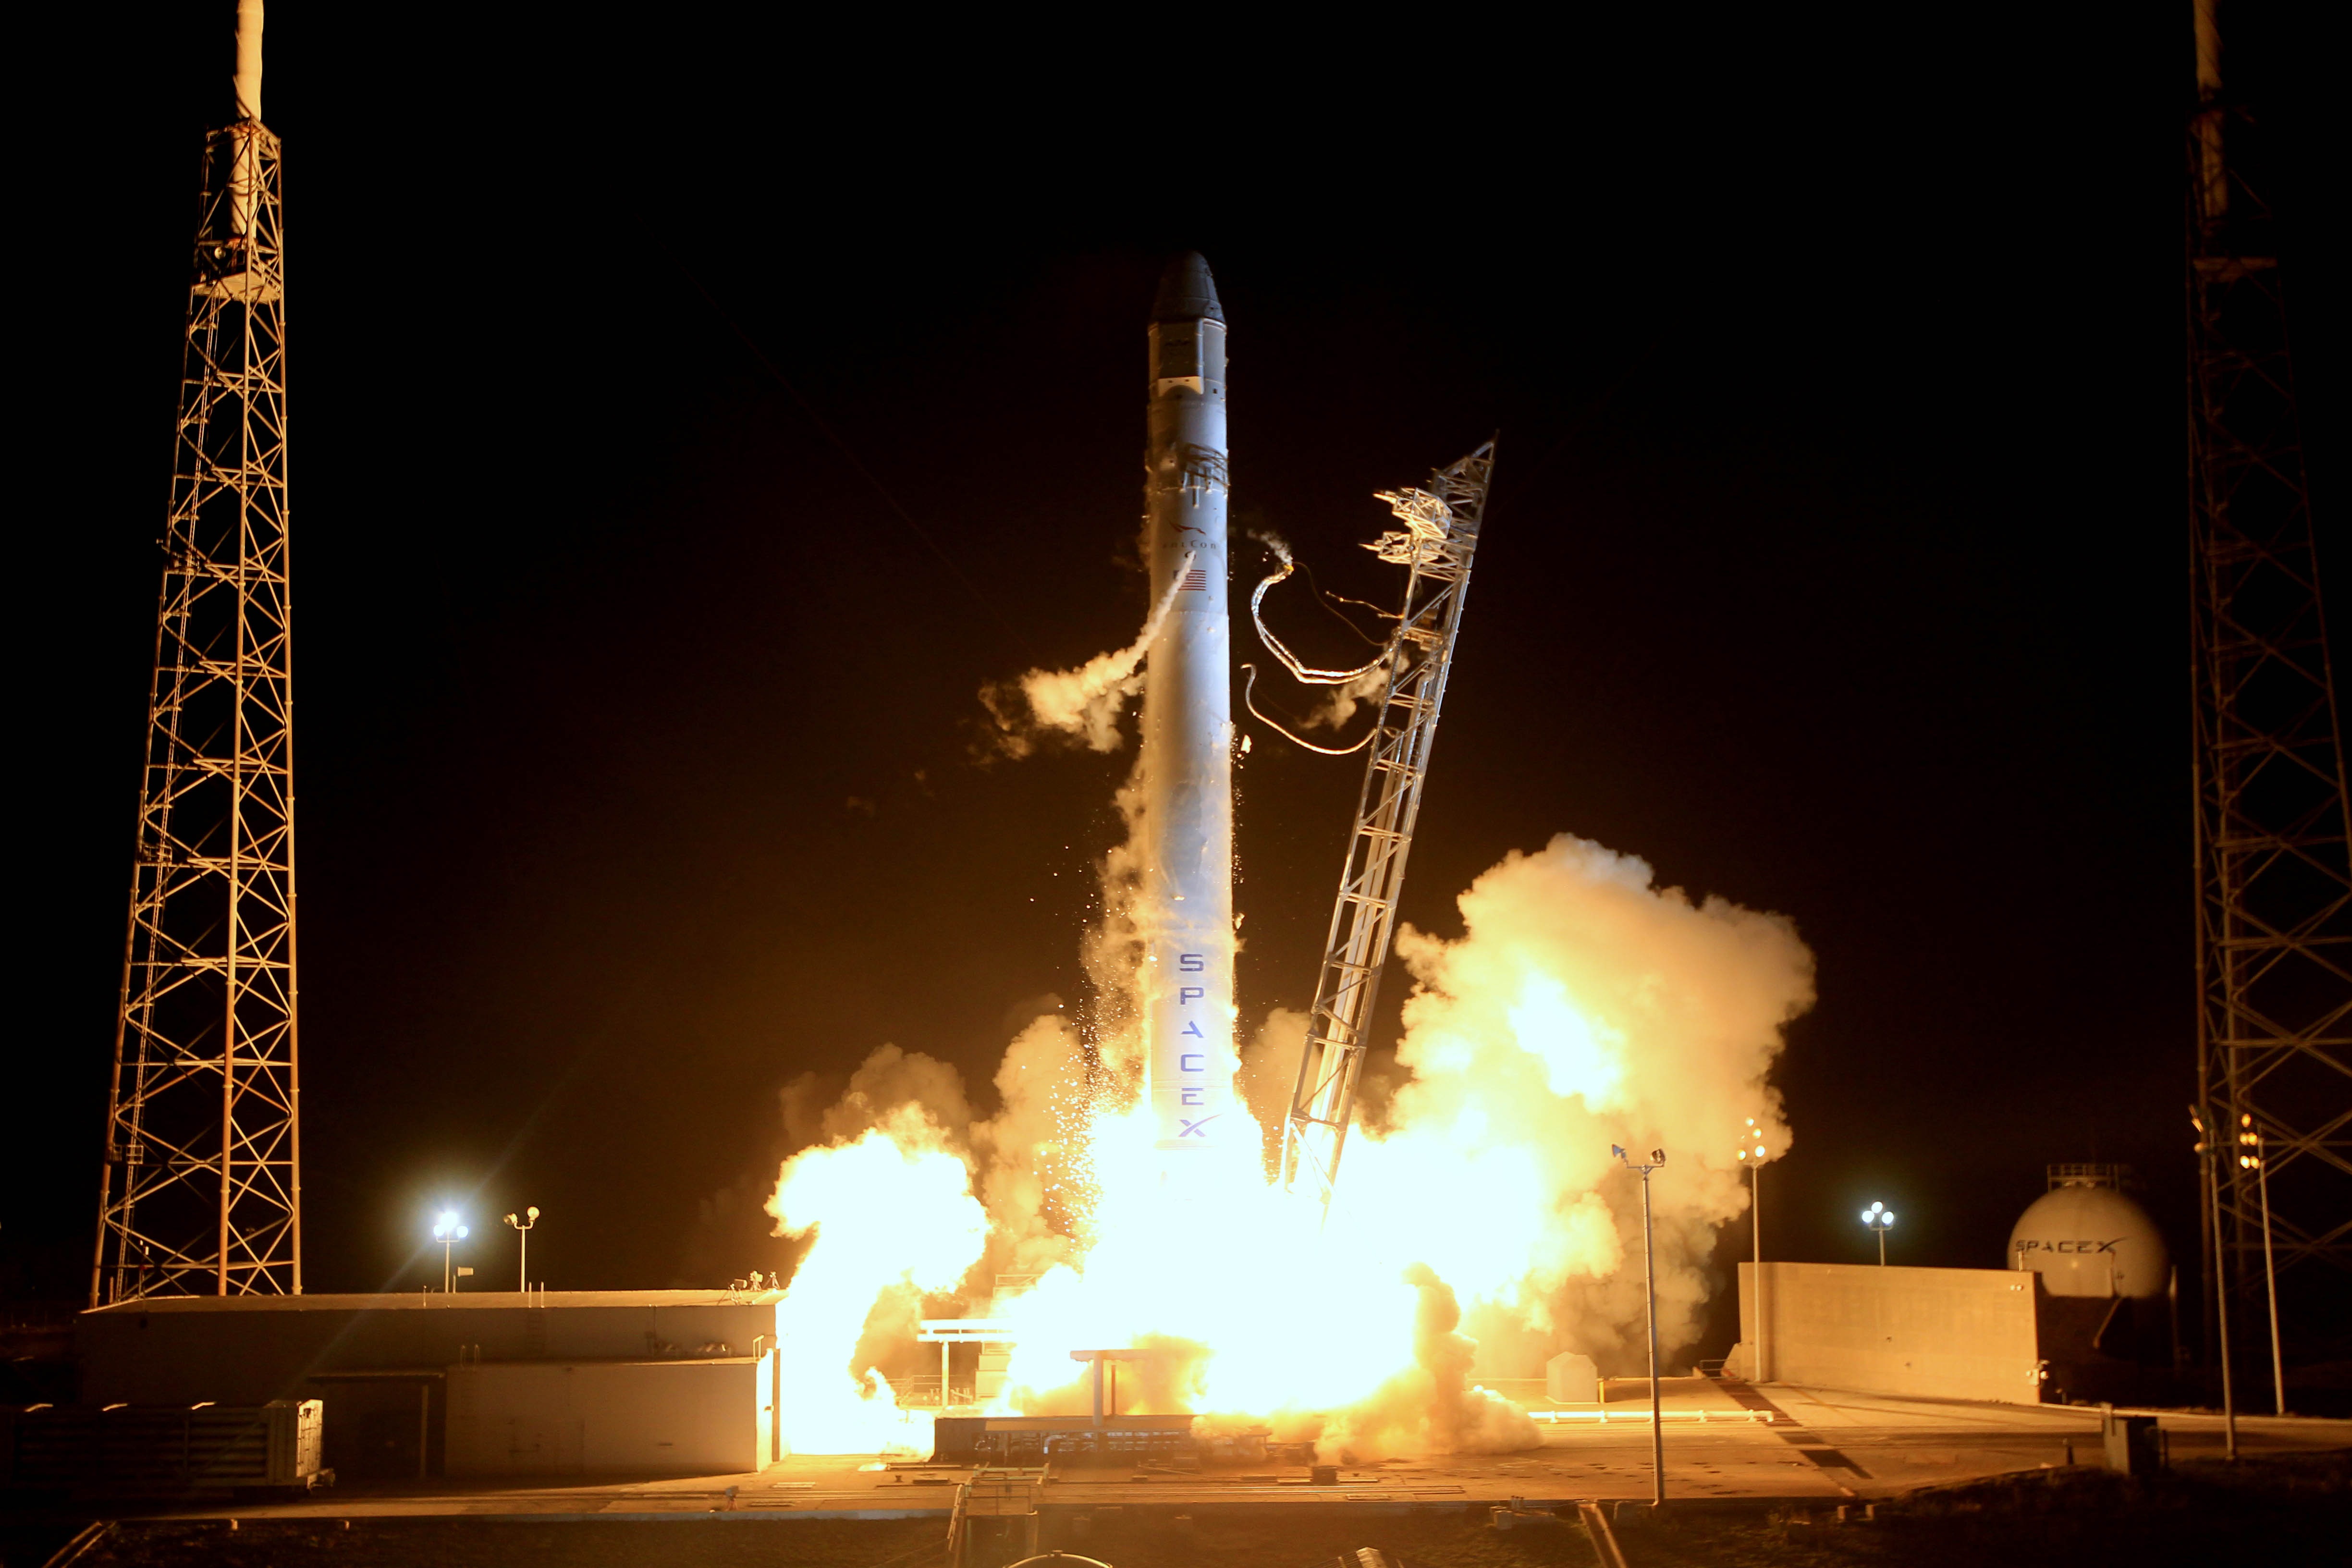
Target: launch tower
x=2273 y=843
x=200 y=1190
x=1439 y=542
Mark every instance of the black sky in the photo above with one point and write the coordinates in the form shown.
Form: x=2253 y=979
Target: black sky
x=1837 y=564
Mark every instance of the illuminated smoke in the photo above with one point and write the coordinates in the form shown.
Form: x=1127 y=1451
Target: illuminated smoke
x=1083 y=704
x=1112 y=949
x=1431 y=1407
x=1269 y=1071
x=1340 y=704
x=893 y=1217
x=1036 y=1154
x=1481 y=1223
x=1584 y=1007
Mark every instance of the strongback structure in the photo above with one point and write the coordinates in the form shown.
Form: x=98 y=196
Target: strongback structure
x=2273 y=880
x=1438 y=540
x=200 y=1192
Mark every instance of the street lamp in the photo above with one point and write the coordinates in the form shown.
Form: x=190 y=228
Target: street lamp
x=2250 y=1158
x=1650 y=1297
x=1880 y=1218
x=448 y=1231
x=1751 y=1154
x=523 y=1230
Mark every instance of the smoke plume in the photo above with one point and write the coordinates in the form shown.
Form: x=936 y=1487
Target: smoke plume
x=1582 y=1007
x=1083 y=704
x=1481 y=1223
x=1430 y=1407
x=889 y=1215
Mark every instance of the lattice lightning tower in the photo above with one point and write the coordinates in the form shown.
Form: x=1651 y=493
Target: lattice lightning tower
x=2273 y=842
x=201 y=1192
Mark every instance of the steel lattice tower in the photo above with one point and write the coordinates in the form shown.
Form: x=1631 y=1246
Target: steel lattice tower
x=1440 y=543
x=200 y=1193
x=2274 y=845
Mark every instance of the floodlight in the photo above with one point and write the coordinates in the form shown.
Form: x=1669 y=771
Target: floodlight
x=448 y=1230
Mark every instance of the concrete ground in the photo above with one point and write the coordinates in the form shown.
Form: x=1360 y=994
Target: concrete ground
x=1727 y=1440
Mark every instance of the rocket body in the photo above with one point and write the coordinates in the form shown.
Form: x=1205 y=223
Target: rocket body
x=1186 y=915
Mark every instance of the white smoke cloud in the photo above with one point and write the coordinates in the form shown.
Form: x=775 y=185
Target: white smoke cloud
x=1480 y=1217
x=1034 y=1154
x=1340 y=703
x=1582 y=1007
x=893 y=1216
x=1085 y=704
x=1269 y=1072
x=1430 y=1407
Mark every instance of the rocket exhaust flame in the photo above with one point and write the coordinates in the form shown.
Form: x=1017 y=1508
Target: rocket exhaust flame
x=1582 y=1005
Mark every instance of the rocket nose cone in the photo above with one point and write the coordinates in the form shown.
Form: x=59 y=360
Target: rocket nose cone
x=1187 y=292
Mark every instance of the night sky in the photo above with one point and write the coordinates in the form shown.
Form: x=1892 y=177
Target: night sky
x=689 y=418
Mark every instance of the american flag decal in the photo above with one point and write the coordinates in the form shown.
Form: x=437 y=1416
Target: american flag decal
x=1196 y=581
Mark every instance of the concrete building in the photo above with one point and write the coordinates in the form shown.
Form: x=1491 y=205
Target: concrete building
x=548 y=1383
x=702 y=1418
x=1952 y=1333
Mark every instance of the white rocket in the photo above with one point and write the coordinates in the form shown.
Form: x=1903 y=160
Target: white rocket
x=1187 y=910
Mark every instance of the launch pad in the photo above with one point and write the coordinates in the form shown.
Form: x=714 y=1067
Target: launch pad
x=1832 y=1448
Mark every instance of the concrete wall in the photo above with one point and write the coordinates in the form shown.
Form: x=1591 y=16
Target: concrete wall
x=570 y=1418
x=379 y=1362
x=1952 y=1333
x=249 y=1350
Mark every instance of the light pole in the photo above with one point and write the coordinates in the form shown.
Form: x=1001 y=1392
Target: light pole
x=1650 y=1297
x=1880 y=1218
x=1751 y=1144
x=2251 y=1158
x=448 y=1231
x=523 y=1230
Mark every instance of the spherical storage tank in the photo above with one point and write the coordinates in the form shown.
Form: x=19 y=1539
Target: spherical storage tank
x=2087 y=1238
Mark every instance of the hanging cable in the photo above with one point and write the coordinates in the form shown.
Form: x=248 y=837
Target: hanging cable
x=1249 y=700
x=1274 y=646
x=1331 y=602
